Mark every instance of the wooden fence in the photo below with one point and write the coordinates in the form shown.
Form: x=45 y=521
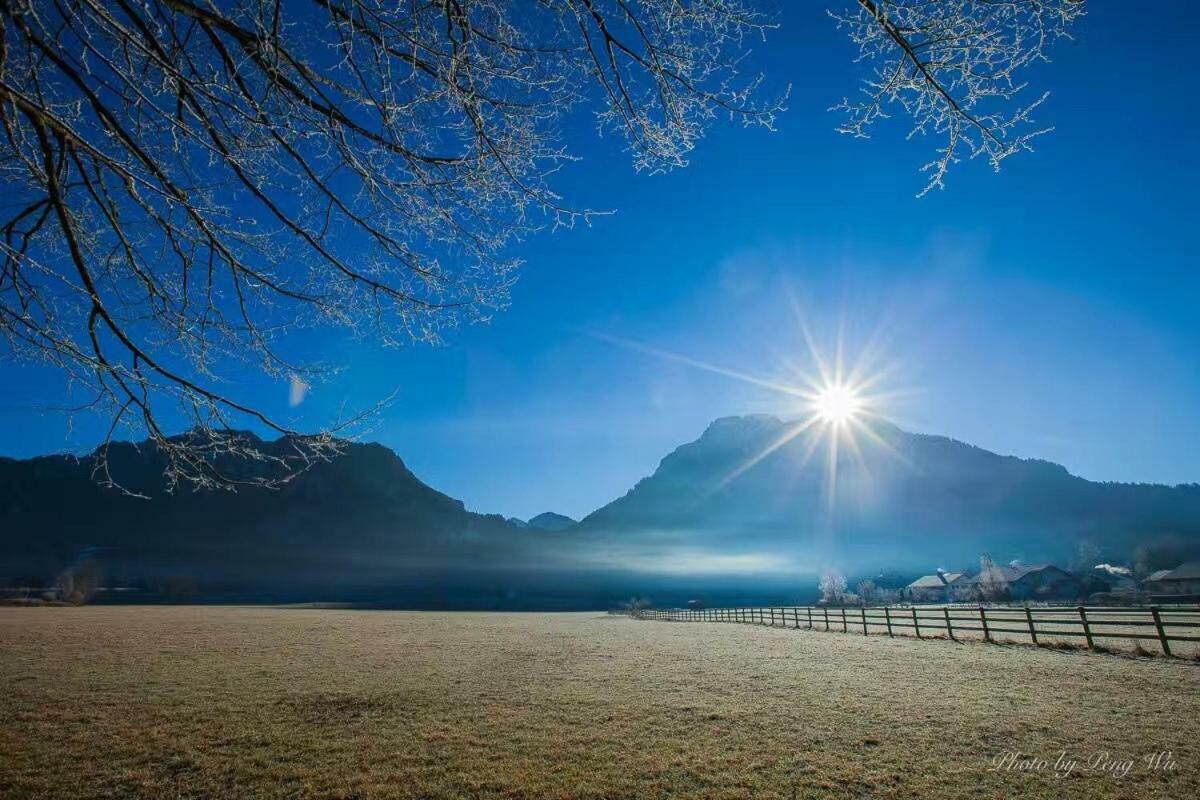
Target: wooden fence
x=1039 y=624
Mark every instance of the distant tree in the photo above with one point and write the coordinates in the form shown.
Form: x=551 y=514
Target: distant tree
x=1086 y=557
x=634 y=604
x=188 y=182
x=77 y=584
x=868 y=592
x=833 y=587
x=992 y=585
x=1164 y=551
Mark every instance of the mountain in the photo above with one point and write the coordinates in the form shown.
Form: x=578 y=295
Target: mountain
x=747 y=512
x=759 y=489
x=359 y=522
x=549 y=521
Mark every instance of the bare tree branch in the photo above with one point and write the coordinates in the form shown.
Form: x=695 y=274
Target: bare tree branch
x=954 y=67
x=189 y=181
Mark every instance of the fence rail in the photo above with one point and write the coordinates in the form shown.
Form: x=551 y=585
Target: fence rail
x=1087 y=622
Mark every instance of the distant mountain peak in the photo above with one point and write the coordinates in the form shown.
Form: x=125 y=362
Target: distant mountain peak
x=760 y=478
x=550 y=521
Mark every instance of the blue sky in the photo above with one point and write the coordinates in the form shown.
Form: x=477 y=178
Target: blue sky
x=1049 y=310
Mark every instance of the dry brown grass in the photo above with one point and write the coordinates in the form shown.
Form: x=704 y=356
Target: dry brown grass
x=285 y=703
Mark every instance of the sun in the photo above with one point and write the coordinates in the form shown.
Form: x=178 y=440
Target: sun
x=837 y=404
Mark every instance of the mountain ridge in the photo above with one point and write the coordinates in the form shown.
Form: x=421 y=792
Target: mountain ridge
x=721 y=485
x=749 y=494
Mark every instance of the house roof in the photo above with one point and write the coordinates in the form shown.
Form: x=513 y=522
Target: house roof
x=937 y=581
x=1011 y=574
x=1184 y=572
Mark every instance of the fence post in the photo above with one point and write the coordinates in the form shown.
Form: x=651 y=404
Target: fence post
x=887 y=614
x=916 y=623
x=809 y=609
x=772 y=617
x=987 y=635
x=1032 y=629
x=1162 y=633
x=1087 y=629
x=949 y=627
x=864 y=615
x=844 y=628
x=827 y=618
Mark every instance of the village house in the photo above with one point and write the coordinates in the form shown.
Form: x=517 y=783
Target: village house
x=937 y=588
x=1027 y=582
x=1109 y=580
x=1183 y=580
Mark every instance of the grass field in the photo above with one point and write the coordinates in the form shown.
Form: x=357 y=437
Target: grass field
x=183 y=702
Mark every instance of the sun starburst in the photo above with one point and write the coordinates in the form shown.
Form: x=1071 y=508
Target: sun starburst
x=835 y=405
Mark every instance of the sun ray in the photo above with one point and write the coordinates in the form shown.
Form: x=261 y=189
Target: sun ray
x=887 y=446
x=788 y=435
x=856 y=451
x=824 y=378
x=832 y=475
x=839 y=400
x=667 y=355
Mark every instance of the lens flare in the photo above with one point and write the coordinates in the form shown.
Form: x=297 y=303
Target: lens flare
x=837 y=404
